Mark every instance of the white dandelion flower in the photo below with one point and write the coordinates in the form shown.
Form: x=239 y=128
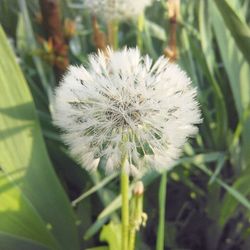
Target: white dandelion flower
x=124 y=104
x=117 y=9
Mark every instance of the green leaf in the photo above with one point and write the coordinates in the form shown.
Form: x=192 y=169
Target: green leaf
x=148 y=43
x=232 y=191
x=206 y=33
x=111 y=233
x=31 y=42
x=95 y=228
x=232 y=58
x=155 y=30
x=95 y=188
x=10 y=242
x=230 y=203
x=22 y=148
x=238 y=72
x=238 y=27
x=98 y=248
x=219 y=166
x=17 y=215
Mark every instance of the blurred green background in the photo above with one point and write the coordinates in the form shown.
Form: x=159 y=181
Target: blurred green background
x=207 y=205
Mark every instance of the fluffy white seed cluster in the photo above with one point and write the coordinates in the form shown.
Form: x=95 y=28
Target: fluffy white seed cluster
x=117 y=9
x=125 y=104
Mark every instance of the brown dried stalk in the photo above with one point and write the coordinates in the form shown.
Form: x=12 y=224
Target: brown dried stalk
x=171 y=50
x=53 y=27
x=99 y=37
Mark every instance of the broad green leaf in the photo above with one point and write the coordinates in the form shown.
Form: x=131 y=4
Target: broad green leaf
x=238 y=27
x=98 y=248
x=10 y=242
x=22 y=147
x=18 y=217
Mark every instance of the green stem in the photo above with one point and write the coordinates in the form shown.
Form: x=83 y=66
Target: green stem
x=136 y=213
x=113 y=34
x=132 y=235
x=162 y=203
x=140 y=27
x=125 y=204
x=132 y=230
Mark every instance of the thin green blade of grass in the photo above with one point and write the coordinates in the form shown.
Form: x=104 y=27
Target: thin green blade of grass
x=231 y=190
x=238 y=72
x=218 y=169
x=238 y=27
x=232 y=201
x=33 y=47
x=95 y=188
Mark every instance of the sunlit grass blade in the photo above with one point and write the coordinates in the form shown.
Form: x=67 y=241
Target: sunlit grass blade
x=22 y=146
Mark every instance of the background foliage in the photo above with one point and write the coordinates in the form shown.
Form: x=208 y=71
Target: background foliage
x=208 y=190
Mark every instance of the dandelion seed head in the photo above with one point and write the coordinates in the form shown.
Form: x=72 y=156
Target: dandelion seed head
x=117 y=9
x=123 y=103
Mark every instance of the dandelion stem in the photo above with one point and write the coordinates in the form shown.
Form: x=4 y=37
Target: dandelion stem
x=125 y=204
x=162 y=205
x=140 y=27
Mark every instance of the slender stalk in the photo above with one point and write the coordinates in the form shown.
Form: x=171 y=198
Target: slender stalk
x=113 y=34
x=140 y=27
x=162 y=205
x=132 y=234
x=132 y=228
x=99 y=37
x=50 y=10
x=125 y=204
x=137 y=217
x=171 y=51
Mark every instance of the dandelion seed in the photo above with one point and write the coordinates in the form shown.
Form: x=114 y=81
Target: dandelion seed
x=117 y=9
x=124 y=95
